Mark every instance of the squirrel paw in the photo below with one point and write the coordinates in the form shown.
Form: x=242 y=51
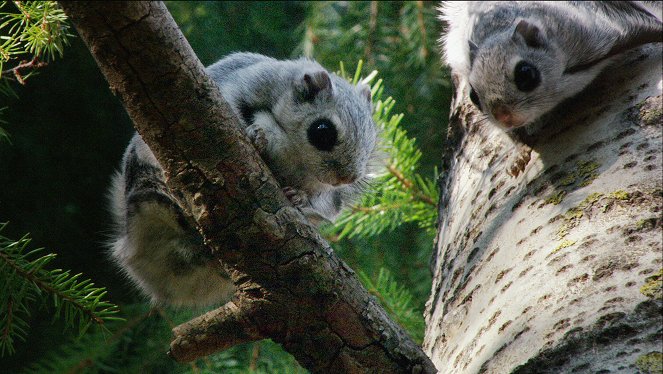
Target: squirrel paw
x=301 y=201
x=258 y=138
x=297 y=197
x=521 y=162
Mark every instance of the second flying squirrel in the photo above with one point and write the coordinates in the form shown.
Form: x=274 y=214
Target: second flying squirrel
x=522 y=58
x=314 y=130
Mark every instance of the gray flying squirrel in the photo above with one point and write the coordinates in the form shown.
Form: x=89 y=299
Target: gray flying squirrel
x=313 y=129
x=522 y=58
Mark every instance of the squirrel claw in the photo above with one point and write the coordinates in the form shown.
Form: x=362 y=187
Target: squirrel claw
x=301 y=201
x=297 y=198
x=258 y=139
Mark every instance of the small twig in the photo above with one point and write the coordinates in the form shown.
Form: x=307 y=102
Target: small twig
x=375 y=208
x=422 y=29
x=89 y=362
x=410 y=186
x=372 y=25
x=10 y=306
x=310 y=34
x=16 y=70
x=401 y=178
x=254 y=356
x=130 y=325
x=163 y=315
x=85 y=363
x=19 y=6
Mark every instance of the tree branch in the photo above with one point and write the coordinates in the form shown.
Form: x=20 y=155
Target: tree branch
x=291 y=286
x=423 y=52
x=16 y=70
x=216 y=330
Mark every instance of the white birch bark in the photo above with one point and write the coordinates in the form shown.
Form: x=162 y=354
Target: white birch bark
x=548 y=255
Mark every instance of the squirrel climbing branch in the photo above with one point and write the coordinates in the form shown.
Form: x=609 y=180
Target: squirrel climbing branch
x=291 y=286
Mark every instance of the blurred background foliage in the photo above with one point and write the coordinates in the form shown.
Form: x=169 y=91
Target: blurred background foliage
x=67 y=134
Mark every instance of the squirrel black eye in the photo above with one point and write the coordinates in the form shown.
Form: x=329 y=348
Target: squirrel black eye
x=526 y=76
x=475 y=98
x=322 y=135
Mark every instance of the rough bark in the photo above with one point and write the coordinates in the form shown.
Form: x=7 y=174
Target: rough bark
x=548 y=254
x=292 y=288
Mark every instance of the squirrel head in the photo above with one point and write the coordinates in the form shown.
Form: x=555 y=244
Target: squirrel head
x=516 y=76
x=328 y=130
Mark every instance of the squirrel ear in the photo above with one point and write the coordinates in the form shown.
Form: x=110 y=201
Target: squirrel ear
x=530 y=33
x=365 y=92
x=314 y=84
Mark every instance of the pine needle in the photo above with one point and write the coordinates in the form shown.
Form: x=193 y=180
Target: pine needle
x=397 y=301
x=26 y=280
x=399 y=194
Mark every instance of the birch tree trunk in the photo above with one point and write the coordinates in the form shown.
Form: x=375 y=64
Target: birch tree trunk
x=548 y=254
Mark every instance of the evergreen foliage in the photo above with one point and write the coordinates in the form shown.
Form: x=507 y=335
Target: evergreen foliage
x=397 y=300
x=37 y=30
x=33 y=33
x=87 y=354
x=26 y=280
x=399 y=194
x=261 y=27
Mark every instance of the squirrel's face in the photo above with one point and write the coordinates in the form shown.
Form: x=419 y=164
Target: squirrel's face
x=331 y=133
x=513 y=77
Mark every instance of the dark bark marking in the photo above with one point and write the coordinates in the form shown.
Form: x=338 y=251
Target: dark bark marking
x=506 y=287
x=563 y=269
x=524 y=272
x=579 y=279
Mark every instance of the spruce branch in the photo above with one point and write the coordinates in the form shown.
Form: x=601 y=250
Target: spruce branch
x=26 y=280
x=96 y=351
x=32 y=35
x=38 y=31
x=396 y=300
x=372 y=25
x=40 y=27
x=399 y=194
x=23 y=65
x=422 y=29
x=76 y=356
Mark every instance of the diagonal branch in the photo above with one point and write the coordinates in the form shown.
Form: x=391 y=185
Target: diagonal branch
x=216 y=330
x=291 y=286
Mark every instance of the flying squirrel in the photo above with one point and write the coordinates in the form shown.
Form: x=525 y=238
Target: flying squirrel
x=313 y=129
x=522 y=58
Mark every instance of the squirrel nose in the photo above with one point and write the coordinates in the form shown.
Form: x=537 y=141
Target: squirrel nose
x=505 y=116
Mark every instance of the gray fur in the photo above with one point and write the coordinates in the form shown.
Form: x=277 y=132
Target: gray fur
x=569 y=42
x=155 y=242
